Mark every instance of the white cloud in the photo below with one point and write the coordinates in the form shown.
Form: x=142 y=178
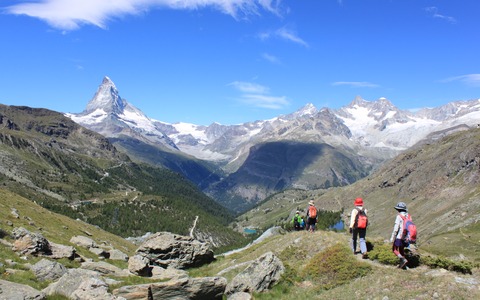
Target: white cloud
x=284 y=33
x=290 y=35
x=258 y=95
x=356 y=84
x=469 y=79
x=71 y=14
x=271 y=58
x=434 y=12
x=249 y=87
x=265 y=101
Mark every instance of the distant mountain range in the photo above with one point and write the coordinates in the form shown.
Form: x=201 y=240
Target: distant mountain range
x=240 y=165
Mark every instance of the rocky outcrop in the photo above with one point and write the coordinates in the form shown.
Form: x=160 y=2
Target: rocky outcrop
x=11 y=290
x=259 y=276
x=163 y=256
x=30 y=243
x=211 y=288
x=166 y=249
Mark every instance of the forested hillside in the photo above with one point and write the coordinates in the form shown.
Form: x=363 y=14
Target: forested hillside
x=66 y=168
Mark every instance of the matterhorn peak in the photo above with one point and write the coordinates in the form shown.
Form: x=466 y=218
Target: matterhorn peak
x=106 y=98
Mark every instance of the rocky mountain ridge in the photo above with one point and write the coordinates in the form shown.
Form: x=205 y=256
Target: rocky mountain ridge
x=362 y=123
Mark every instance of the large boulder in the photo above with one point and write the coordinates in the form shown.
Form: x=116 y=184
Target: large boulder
x=166 y=249
x=80 y=284
x=59 y=251
x=259 y=276
x=15 y=291
x=210 y=288
x=139 y=265
x=115 y=254
x=48 y=270
x=27 y=242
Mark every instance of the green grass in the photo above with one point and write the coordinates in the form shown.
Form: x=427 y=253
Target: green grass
x=334 y=266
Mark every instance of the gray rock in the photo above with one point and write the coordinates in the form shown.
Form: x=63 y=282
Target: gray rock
x=14 y=213
x=48 y=270
x=259 y=276
x=59 y=251
x=27 y=242
x=139 y=265
x=210 y=288
x=14 y=291
x=80 y=284
x=104 y=268
x=99 y=252
x=160 y=273
x=166 y=249
x=117 y=255
x=83 y=241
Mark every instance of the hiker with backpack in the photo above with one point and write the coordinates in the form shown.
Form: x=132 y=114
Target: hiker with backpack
x=404 y=232
x=297 y=221
x=358 y=226
x=311 y=216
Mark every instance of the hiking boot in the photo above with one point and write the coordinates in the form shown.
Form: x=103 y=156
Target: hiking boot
x=365 y=255
x=403 y=263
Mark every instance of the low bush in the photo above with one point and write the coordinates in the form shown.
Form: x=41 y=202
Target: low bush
x=460 y=266
x=335 y=266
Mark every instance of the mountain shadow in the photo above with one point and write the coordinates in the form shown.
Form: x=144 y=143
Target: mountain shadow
x=275 y=166
x=201 y=173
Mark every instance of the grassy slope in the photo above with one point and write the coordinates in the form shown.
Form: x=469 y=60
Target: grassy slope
x=55 y=227
x=298 y=250
x=439 y=182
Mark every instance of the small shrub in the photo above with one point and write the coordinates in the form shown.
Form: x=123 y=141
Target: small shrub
x=461 y=266
x=382 y=253
x=335 y=266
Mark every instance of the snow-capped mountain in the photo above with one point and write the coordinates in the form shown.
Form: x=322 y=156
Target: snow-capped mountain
x=366 y=126
x=309 y=148
x=110 y=115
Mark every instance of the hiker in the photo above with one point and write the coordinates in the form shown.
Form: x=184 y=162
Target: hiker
x=302 y=223
x=297 y=221
x=398 y=246
x=311 y=216
x=358 y=226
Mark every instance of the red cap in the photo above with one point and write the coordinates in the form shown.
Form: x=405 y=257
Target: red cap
x=358 y=202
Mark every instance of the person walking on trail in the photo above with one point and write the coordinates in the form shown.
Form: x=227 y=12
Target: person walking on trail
x=398 y=246
x=311 y=216
x=358 y=227
x=297 y=221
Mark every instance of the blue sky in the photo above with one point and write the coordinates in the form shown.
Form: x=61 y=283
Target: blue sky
x=235 y=61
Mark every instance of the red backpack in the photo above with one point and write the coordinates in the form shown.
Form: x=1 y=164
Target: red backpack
x=361 y=220
x=312 y=212
x=409 y=229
